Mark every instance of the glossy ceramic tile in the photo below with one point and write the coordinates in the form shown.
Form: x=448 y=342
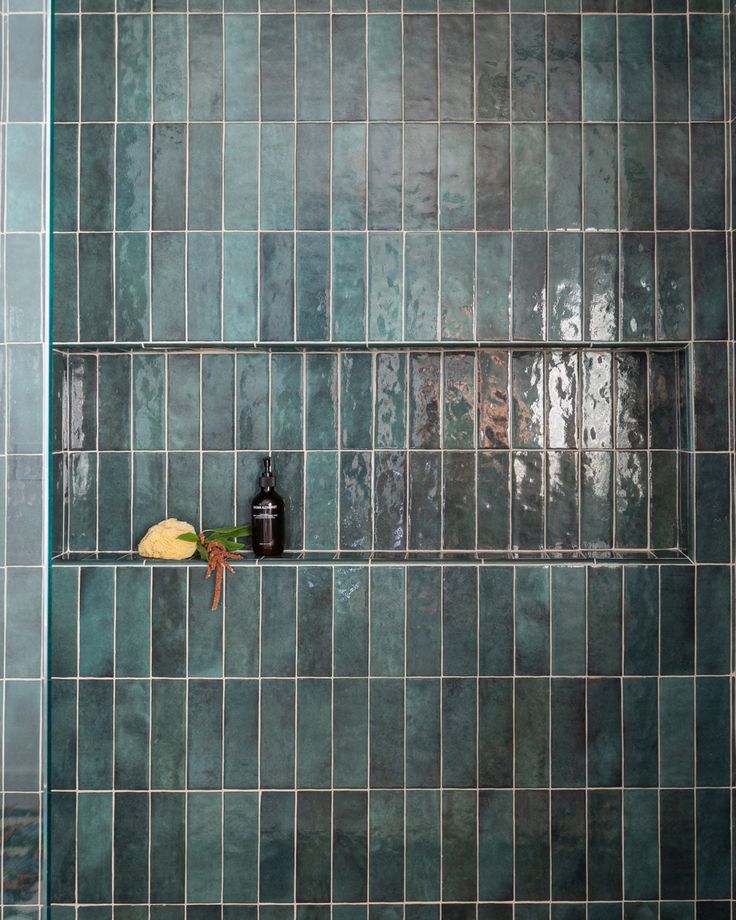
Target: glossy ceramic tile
x=390 y=450
x=390 y=725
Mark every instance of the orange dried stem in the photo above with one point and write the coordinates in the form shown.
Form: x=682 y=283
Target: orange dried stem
x=217 y=563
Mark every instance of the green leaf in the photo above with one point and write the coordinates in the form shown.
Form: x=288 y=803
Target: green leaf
x=189 y=537
x=203 y=554
x=233 y=546
x=242 y=531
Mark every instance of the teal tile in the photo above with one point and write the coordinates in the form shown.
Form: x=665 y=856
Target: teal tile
x=66 y=70
x=390 y=501
x=712 y=731
x=706 y=68
x=131 y=734
x=277 y=177
x=348 y=68
x=168 y=623
x=240 y=846
x=636 y=177
x=604 y=844
x=671 y=67
x=565 y=320
x=420 y=68
x=168 y=177
x=96 y=177
x=386 y=853
x=492 y=178
x=421 y=290
x=23 y=733
x=390 y=400
x=712 y=843
x=204 y=652
x=356 y=382
x=457 y=285
x=241 y=69
x=635 y=68
x=384 y=67
x=240 y=286
x=94 y=856
x=204 y=734
x=385 y=144
x=349 y=177
x=529 y=280
x=98 y=79
x=95 y=283
x=424 y=484
x=459 y=732
x=605 y=738
x=350 y=847
x=386 y=756
x=423 y=621
x=712 y=622
x=350 y=734
x=63 y=772
x=204 y=177
x=600 y=71
x=276 y=287
x=287 y=380
x=600 y=148
x=134 y=68
x=183 y=399
x=420 y=176
x=204 y=847
x=24 y=176
x=676 y=732
x=277 y=68
x=532 y=620
x=456 y=177
x=456 y=42
x=148 y=396
x=313 y=846
x=168 y=714
x=149 y=491
x=96 y=615
x=313 y=68
x=564 y=196
x=492 y=68
x=169 y=68
x=493 y=285
x=709 y=285
x=568 y=595
x=113 y=499
x=95 y=733
x=132 y=648
x=673 y=175
x=563 y=68
x=385 y=282
x=312 y=176
x=24 y=407
x=673 y=286
x=423 y=733
x=168 y=310
x=277 y=746
x=206 y=69
x=131 y=287
x=495 y=844
x=387 y=621
x=527 y=68
x=493 y=500
x=677 y=853
x=532 y=733
x=458 y=426
x=276 y=869
x=242 y=615
x=314 y=654
x=253 y=383
x=423 y=848
x=320 y=523
x=707 y=176
x=568 y=841
x=641 y=849
x=348 y=287
x=278 y=628
x=528 y=176
x=637 y=279
x=495 y=724
x=65 y=182
x=321 y=401
x=641 y=620
x=168 y=845
x=459 y=829
x=314 y=733
x=601 y=286
x=604 y=621
x=458 y=501
x=355 y=500
x=527 y=388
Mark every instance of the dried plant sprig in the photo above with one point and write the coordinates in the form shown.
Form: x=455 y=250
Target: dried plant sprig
x=221 y=544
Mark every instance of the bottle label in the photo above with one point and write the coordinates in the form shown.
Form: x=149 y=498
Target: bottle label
x=264 y=516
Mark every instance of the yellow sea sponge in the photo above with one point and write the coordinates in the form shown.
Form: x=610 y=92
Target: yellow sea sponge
x=160 y=541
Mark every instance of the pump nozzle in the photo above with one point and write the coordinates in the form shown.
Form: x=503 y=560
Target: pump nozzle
x=268 y=480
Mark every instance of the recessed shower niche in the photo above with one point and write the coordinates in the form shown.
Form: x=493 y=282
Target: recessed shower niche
x=534 y=451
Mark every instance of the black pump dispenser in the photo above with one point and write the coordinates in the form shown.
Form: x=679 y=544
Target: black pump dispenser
x=267 y=516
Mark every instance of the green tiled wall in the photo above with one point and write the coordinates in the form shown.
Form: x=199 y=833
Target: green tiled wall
x=354 y=740
x=431 y=740
x=24 y=131
x=458 y=450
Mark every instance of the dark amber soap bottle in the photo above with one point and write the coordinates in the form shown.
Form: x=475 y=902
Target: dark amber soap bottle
x=267 y=516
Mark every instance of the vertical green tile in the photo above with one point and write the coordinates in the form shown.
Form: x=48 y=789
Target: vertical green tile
x=241 y=68
x=204 y=846
x=385 y=283
x=349 y=284
x=421 y=291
